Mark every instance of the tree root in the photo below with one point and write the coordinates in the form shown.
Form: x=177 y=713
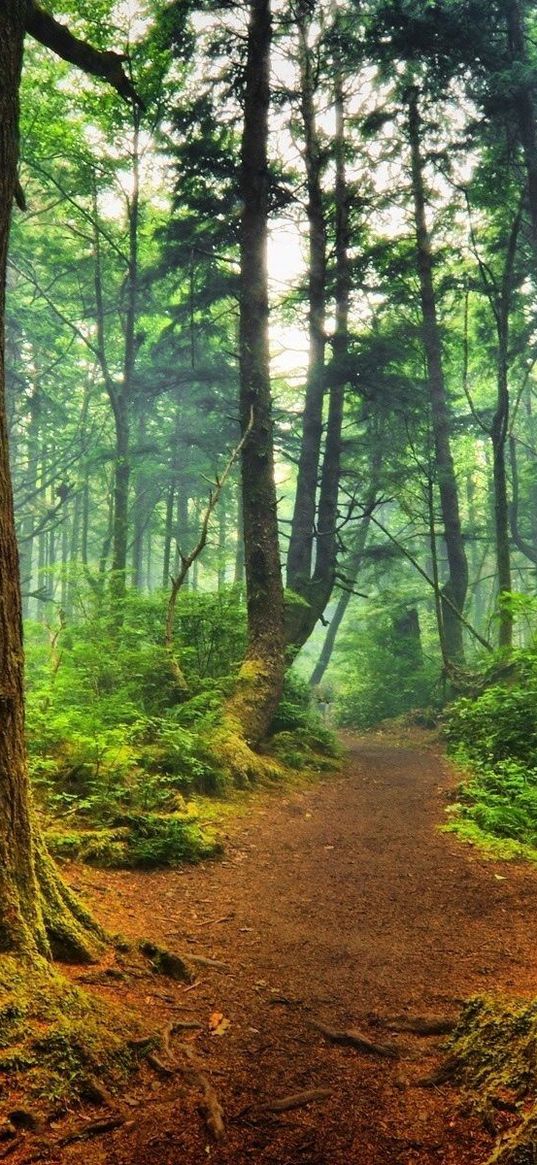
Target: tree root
x=295 y=1100
x=210 y=1105
x=166 y=962
x=436 y=1025
x=73 y=934
x=356 y=1039
x=447 y=1071
x=204 y=961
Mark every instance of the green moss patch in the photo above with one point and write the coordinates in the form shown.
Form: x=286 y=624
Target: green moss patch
x=494 y=1049
x=55 y=1039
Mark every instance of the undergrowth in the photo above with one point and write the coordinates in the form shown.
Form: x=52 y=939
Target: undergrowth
x=493 y=737
x=118 y=754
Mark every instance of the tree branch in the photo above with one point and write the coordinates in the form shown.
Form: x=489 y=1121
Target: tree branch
x=106 y=65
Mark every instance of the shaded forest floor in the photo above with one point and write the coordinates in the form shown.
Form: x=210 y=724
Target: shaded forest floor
x=340 y=904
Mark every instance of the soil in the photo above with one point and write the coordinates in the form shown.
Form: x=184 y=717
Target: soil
x=340 y=904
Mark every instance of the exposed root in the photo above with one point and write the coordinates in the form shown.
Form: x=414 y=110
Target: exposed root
x=449 y=1070
x=73 y=934
x=436 y=1025
x=203 y=961
x=356 y=1039
x=93 y=1129
x=295 y=1100
x=166 y=962
x=210 y=1105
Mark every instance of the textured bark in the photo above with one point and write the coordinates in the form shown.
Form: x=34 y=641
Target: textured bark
x=36 y=910
x=300 y=552
x=457 y=583
x=316 y=590
x=524 y=105
x=261 y=675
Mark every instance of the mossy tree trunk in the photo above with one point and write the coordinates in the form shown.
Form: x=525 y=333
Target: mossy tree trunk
x=39 y=915
x=261 y=676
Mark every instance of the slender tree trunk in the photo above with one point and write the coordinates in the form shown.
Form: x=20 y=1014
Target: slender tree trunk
x=300 y=552
x=352 y=570
x=301 y=620
x=261 y=675
x=524 y=104
x=457 y=583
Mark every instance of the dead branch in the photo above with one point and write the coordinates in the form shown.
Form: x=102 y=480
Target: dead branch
x=356 y=1039
x=187 y=560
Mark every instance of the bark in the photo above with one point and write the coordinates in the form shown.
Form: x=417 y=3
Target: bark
x=524 y=106
x=300 y=619
x=457 y=583
x=37 y=911
x=299 y=557
x=261 y=675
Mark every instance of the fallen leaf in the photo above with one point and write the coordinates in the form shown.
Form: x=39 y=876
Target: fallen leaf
x=218 y=1023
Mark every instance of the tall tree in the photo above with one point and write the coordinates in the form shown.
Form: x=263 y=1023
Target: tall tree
x=37 y=911
x=261 y=675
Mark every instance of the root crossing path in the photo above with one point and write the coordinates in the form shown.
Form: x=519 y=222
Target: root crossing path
x=335 y=908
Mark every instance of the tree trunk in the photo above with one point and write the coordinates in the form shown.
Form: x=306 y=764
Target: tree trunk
x=260 y=679
x=37 y=911
x=457 y=583
x=300 y=552
x=524 y=105
x=301 y=620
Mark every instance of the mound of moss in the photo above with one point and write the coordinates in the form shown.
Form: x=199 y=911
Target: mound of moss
x=57 y=1043
x=494 y=1051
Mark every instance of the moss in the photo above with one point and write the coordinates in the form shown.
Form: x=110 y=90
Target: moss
x=494 y=1049
x=495 y=848
x=54 y=1035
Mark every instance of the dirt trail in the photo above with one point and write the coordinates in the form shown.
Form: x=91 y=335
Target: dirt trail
x=338 y=904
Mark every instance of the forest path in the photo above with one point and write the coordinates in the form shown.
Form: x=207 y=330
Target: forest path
x=338 y=903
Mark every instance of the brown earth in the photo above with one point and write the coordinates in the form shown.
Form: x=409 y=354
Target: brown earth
x=341 y=904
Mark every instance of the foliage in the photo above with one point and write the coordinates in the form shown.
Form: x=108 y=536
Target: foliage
x=113 y=754
x=382 y=673
x=495 y=737
x=144 y=840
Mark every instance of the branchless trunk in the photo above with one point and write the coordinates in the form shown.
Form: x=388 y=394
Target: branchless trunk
x=499 y=435
x=302 y=620
x=261 y=675
x=351 y=573
x=457 y=584
x=300 y=553
x=524 y=104
x=327 y=538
